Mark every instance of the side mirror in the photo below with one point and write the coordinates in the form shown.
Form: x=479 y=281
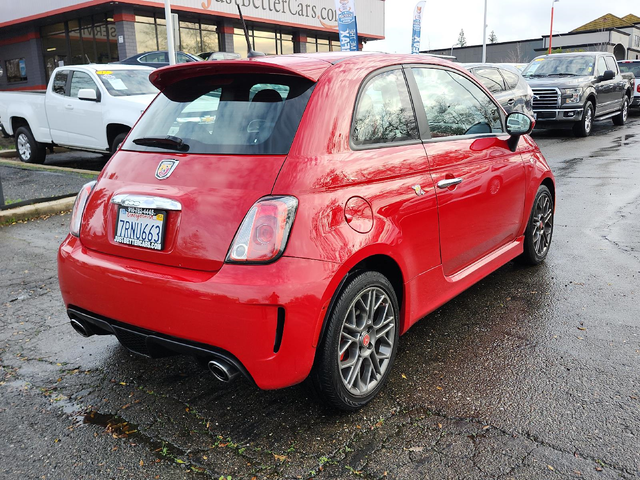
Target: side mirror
x=87 y=94
x=518 y=124
x=608 y=75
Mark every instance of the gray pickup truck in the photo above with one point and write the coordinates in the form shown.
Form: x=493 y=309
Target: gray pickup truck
x=574 y=89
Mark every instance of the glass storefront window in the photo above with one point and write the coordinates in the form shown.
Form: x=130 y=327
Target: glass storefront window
x=146 y=40
x=189 y=38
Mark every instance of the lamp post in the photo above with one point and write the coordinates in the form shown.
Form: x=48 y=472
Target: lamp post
x=454 y=45
x=551 y=29
x=169 y=23
x=484 y=35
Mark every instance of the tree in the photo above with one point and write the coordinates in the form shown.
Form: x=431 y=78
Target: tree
x=462 y=40
x=493 y=38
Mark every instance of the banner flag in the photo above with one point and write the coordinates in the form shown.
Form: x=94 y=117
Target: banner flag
x=347 y=25
x=417 y=26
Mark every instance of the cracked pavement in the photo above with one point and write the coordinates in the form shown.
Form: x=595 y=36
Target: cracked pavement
x=531 y=374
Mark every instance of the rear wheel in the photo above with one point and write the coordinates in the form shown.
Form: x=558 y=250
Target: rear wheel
x=117 y=141
x=359 y=348
x=537 y=237
x=29 y=150
x=621 y=118
x=583 y=127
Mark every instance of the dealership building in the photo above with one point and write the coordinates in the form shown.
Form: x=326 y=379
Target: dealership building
x=37 y=36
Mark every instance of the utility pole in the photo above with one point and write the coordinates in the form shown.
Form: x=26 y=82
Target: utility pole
x=484 y=35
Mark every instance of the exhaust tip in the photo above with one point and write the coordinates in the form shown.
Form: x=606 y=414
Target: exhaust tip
x=81 y=328
x=222 y=370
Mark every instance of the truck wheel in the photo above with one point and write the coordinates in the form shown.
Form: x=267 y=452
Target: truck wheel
x=621 y=118
x=583 y=127
x=358 y=350
x=117 y=141
x=29 y=151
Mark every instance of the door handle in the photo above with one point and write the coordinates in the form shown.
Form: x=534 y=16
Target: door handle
x=449 y=182
x=69 y=107
x=511 y=102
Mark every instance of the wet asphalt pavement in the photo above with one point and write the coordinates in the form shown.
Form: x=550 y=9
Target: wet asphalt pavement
x=531 y=374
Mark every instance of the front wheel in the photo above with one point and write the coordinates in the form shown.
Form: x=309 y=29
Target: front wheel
x=537 y=236
x=29 y=150
x=359 y=348
x=583 y=127
x=621 y=118
x=117 y=142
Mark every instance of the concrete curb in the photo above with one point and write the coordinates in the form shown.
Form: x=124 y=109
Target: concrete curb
x=14 y=154
x=36 y=210
x=51 y=168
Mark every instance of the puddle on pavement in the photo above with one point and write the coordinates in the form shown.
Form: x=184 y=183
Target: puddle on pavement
x=114 y=425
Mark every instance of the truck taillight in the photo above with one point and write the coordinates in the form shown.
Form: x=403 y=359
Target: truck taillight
x=263 y=234
x=79 y=206
x=637 y=86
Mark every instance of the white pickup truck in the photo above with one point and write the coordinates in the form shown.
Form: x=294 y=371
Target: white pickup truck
x=85 y=107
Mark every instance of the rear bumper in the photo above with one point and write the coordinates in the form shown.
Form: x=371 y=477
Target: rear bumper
x=635 y=101
x=235 y=311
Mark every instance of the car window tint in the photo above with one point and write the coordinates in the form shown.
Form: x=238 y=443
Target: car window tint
x=611 y=64
x=384 y=113
x=247 y=114
x=154 y=58
x=602 y=66
x=511 y=78
x=455 y=105
x=490 y=78
x=182 y=58
x=81 y=80
x=60 y=82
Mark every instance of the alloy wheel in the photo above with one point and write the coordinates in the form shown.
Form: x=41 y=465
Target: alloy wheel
x=366 y=341
x=588 y=119
x=24 y=147
x=542 y=225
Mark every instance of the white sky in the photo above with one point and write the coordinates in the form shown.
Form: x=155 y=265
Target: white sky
x=510 y=19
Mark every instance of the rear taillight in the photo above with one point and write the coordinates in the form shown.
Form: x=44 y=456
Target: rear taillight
x=78 y=208
x=637 y=86
x=263 y=234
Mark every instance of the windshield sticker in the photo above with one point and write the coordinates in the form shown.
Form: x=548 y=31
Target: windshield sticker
x=539 y=59
x=104 y=72
x=117 y=84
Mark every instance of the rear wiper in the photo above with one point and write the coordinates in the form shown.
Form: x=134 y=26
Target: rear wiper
x=169 y=142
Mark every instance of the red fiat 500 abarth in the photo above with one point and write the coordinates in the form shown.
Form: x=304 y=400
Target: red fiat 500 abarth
x=290 y=217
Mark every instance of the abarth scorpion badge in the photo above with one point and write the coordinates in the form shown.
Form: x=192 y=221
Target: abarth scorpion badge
x=166 y=168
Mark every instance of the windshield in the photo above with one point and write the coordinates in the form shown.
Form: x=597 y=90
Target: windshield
x=630 y=68
x=579 y=65
x=122 y=83
x=240 y=114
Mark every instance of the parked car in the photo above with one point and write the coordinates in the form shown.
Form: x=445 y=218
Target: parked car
x=285 y=237
x=632 y=66
x=86 y=107
x=506 y=84
x=159 y=59
x=575 y=89
x=219 y=55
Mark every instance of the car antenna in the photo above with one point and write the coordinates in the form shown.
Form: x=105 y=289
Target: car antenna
x=250 y=51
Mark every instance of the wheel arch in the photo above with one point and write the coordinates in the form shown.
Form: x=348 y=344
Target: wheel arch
x=547 y=182
x=379 y=262
x=17 y=122
x=115 y=129
x=591 y=97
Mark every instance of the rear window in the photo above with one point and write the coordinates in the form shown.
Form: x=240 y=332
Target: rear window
x=225 y=115
x=630 y=68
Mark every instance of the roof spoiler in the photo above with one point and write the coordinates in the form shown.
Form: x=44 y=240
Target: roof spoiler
x=306 y=68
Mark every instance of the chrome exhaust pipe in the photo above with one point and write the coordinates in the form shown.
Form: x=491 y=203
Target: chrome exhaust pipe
x=222 y=370
x=81 y=327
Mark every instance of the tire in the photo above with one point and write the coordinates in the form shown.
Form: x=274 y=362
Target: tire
x=351 y=379
x=29 y=150
x=584 y=126
x=537 y=236
x=117 y=141
x=621 y=118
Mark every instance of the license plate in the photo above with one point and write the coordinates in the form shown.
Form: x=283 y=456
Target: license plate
x=141 y=227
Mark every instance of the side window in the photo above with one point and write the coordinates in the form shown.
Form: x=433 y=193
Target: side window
x=182 y=58
x=60 y=82
x=490 y=78
x=384 y=113
x=81 y=80
x=455 y=105
x=153 y=58
x=602 y=66
x=511 y=78
x=611 y=64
